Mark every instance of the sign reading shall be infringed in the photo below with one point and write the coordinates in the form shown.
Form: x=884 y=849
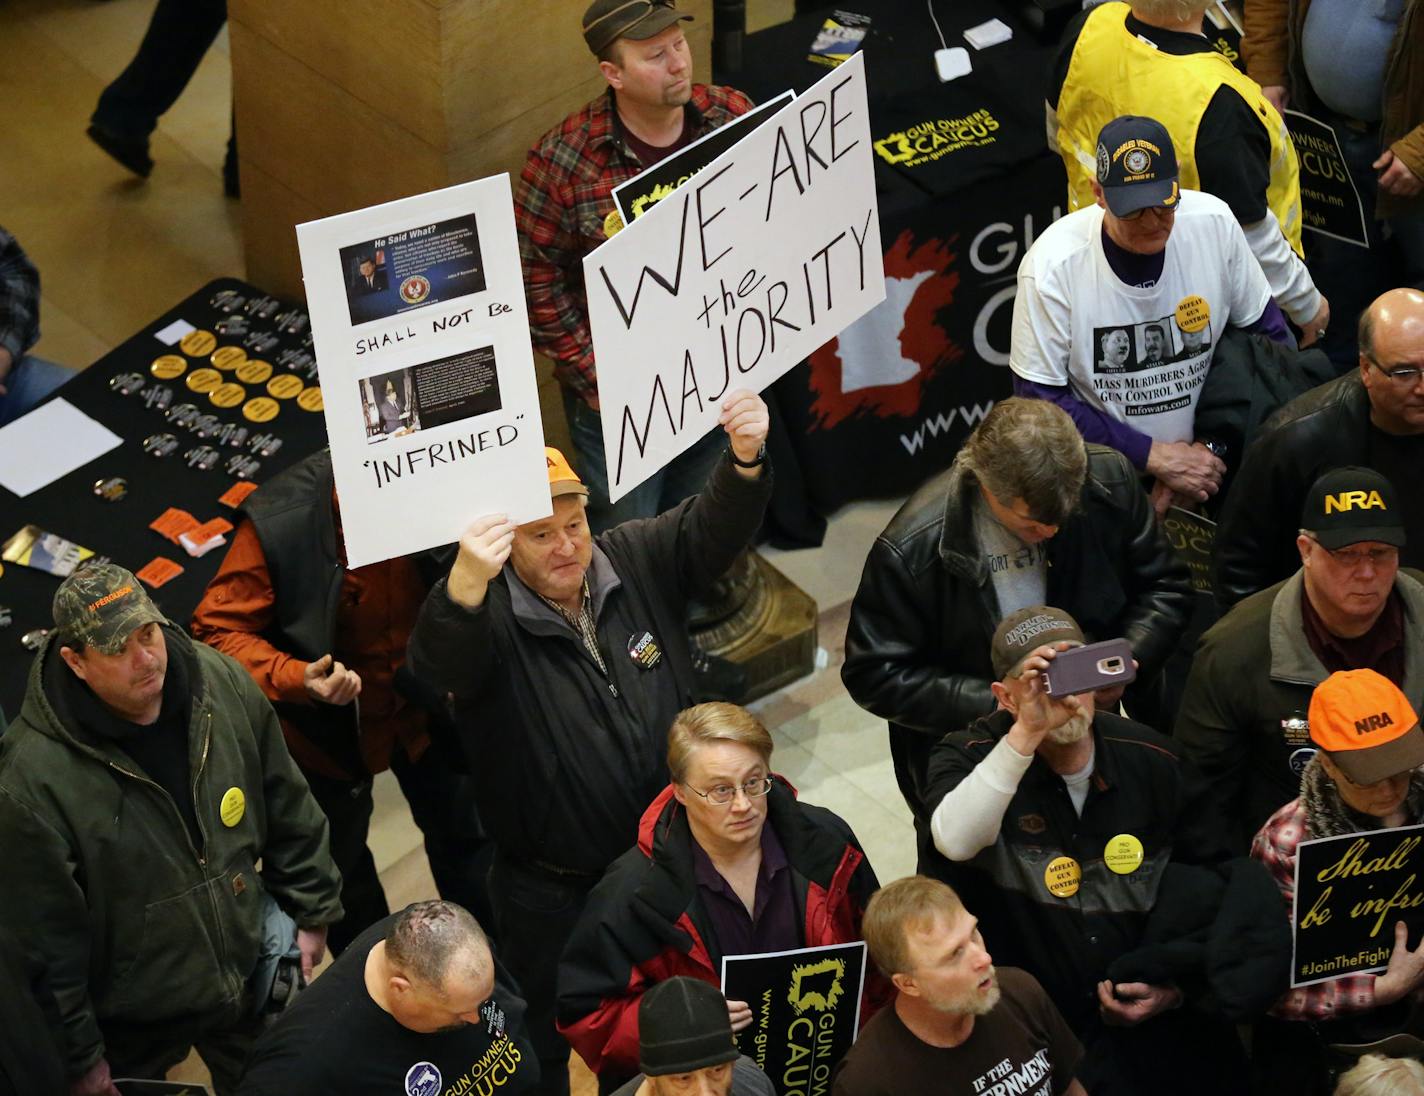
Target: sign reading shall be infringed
x=1349 y=893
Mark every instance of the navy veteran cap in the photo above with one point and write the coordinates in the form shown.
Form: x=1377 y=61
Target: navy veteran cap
x=1137 y=165
x=1351 y=505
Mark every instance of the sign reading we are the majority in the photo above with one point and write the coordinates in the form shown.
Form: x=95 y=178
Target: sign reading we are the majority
x=805 y=1011
x=1329 y=202
x=764 y=255
x=1349 y=893
x=427 y=374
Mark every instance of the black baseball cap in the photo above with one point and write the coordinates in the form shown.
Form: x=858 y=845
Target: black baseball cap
x=1350 y=505
x=1137 y=165
x=605 y=21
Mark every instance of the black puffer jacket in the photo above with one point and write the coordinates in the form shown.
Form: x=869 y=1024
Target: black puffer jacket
x=917 y=648
x=1328 y=427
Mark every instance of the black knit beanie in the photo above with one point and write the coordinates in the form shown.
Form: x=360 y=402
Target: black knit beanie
x=683 y=1026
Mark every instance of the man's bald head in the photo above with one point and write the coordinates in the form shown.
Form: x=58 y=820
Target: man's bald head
x=1391 y=337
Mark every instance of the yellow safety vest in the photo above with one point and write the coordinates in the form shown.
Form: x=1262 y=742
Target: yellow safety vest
x=1113 y=72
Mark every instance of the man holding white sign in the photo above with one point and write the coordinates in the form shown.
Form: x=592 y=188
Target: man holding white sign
x=766 y=254
x=566 y=667
x=564 y=209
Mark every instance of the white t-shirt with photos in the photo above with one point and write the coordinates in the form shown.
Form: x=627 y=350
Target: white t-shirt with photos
x=1138 y=354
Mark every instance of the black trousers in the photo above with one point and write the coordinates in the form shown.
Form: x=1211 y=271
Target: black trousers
x=536 y=911
x=443 y=806
x=178 y=36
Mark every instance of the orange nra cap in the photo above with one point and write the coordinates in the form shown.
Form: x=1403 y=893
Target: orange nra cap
x=1366 y=726
x=563 y=480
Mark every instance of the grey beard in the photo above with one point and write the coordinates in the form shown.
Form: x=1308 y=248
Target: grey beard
x=1075 y=730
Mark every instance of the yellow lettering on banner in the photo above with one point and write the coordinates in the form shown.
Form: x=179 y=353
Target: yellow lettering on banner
x=1401 y=900
x=1317 y=914
x=1352 y=863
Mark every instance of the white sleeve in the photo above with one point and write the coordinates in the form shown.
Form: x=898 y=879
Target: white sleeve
x=1042 y=338
x=1289 y=281
x=968 y=818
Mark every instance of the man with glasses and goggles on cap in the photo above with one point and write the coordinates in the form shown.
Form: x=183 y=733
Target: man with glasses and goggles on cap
x=564 y=209
x=1244 y=718
x=1372 y=417
x=1120 y=306
x=728 y=862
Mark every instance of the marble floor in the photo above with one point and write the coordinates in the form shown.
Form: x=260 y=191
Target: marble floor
x=114 y=251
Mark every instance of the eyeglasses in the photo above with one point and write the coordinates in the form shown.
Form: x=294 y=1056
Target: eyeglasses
x=1403 y=375
x=1353 y=558
x=1158 y=210
x=723 y=794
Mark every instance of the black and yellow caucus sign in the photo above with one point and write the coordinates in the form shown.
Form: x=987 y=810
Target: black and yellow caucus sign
x=805 y=1012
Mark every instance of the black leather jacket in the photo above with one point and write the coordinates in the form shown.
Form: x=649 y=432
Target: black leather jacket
x=917 y=647
x=1327 y=427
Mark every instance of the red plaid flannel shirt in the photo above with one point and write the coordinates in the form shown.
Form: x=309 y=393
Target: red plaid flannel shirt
x=1275 y=847
x=563 y=196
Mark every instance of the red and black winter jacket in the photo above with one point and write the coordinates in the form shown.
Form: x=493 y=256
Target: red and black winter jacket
x=644 y=922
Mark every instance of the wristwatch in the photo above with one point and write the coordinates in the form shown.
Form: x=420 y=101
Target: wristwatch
x=755 y=462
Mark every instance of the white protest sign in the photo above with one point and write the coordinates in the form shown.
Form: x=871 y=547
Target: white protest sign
x=427 y=376
x=761 y=258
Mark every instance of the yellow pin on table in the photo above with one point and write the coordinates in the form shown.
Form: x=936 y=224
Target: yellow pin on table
x=260 y=409
x=198 y=344
x=254 y=371
x=168 y=366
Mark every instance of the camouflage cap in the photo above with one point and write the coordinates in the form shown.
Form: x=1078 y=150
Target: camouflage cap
x=100 y=605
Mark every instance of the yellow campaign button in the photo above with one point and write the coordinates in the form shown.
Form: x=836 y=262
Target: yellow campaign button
x=260 y=409
x=1123 y=854
x=612 y=224
x=227 y=395
x=232 y=807
x=168 y=367
x=254 y=371
x=198 y=344
x=228 y=357
x=310 y=399
x=204 y=380
x=1193 y=313
x=1062 y=877
x=285 y=386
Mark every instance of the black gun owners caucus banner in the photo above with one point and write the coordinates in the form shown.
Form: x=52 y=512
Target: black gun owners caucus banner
x=1349 y=892
x=1329 y=202
x=805 y=1012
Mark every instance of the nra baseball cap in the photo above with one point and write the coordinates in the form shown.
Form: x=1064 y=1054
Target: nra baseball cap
x=563 y=480
x=1137 y=165
x=1350 y=505
x=1366 y=725
x=605 y=21
x=100 y=605
x=1020 y=634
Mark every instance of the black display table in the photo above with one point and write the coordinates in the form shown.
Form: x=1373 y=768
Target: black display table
x=965 y=181
x=239 y=315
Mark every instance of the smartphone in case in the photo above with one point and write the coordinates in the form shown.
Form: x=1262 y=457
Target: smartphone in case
x=1086 y=669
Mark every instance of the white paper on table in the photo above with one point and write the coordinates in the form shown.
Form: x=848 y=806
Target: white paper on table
x=173 y=332
x=51 y=441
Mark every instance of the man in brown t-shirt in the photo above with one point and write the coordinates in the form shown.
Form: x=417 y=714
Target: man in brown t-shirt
x=957 y=1024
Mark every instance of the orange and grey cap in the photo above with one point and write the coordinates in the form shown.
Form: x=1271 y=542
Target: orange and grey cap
x=563 y=480
x=100 y=606
x=606 y=21
x=1366 y=726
